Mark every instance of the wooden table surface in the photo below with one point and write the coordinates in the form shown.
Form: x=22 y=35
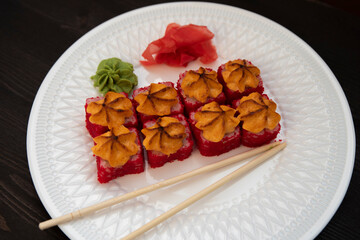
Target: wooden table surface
x=34 y=34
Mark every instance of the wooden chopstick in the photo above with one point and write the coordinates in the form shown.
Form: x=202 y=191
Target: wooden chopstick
x=88 y=210
x=240 y=171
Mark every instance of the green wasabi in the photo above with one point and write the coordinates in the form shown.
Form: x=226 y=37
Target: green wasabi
x=115 y=75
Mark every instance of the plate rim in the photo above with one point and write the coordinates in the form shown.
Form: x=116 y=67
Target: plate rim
x=343 y=185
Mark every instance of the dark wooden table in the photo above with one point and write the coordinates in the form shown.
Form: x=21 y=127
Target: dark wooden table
x=34 y=34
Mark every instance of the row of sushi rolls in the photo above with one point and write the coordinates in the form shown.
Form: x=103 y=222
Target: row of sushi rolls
x=213 y=111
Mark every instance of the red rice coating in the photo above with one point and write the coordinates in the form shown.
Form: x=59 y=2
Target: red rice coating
x=250 y=139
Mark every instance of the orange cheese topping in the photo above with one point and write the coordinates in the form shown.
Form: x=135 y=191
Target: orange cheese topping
x=116 y=146
x=216 y=120
x=165 y=136
x=240 y=75
x=110 y=111
x=157 y=101
x=201 y=84
x=258 y=113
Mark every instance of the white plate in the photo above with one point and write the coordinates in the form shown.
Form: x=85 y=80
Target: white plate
x=291 y=196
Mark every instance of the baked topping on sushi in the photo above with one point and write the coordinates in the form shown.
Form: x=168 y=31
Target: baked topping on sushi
x=216 y=120
x=165 y=136
x=116 y=146
x=258 y=113
x=201 y=84
x=110 y=111
x=240 y=75
x=158 y=100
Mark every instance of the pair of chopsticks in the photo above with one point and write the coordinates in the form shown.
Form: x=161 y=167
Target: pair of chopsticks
x=268 y=151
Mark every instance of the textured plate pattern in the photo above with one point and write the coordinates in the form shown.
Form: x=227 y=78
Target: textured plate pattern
x=291 y=196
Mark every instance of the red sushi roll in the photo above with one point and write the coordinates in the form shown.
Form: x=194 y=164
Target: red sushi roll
x=240 y=78
x=134 y=164
x=98 y=127
x=260 y=122
x=167 y=139
x=199 y=87
x=93 y=129
x=158 y=99
x=215 y=129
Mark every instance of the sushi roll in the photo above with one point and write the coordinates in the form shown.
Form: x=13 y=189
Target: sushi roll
x=197 y=88
x=239 y=78
x=215 y=129
x=167 y=139
x=118 y=152
x=114 y=109
x=158 y=99
x=260 y=122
